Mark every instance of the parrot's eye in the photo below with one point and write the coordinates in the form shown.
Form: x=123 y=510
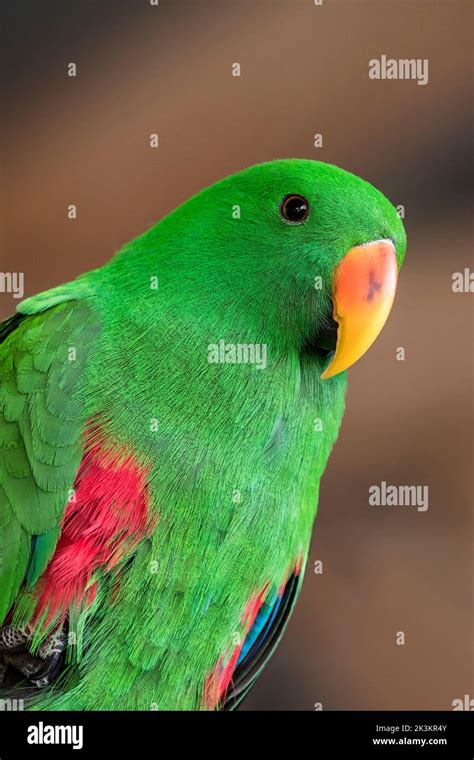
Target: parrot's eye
x=294 y=208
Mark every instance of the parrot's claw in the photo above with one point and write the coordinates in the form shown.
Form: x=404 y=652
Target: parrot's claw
x=40 y=670
x=23 y=662
x=13 y=639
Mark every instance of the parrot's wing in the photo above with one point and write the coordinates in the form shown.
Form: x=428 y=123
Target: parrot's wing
x=42 y=358
x=261 y=642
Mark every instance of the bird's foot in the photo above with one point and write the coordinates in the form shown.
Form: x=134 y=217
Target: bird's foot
x=40 y=669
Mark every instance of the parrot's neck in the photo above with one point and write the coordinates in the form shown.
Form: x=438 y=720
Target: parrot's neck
x=180 y=282
x=207 y=365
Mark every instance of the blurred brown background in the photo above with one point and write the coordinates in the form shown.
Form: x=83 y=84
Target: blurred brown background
x=304 y=70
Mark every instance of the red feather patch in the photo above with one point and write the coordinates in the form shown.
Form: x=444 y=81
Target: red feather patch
x=218 y=682
x=104 y=520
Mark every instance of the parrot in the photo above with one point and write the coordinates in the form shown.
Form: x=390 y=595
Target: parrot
x=165 y=421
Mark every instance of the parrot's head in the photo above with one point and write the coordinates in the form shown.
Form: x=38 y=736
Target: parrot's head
x=304 y=252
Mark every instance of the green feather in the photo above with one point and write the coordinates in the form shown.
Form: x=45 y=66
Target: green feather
x=14 y=546
x=42 y=550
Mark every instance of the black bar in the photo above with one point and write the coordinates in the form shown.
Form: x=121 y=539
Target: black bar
x=317 y=734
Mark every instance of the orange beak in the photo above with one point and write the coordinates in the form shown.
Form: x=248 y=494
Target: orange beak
x=364 y=288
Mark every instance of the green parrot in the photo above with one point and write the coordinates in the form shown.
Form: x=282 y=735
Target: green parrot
x=164 y=424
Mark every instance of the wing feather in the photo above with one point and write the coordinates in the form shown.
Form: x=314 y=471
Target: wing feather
x=43 y=356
